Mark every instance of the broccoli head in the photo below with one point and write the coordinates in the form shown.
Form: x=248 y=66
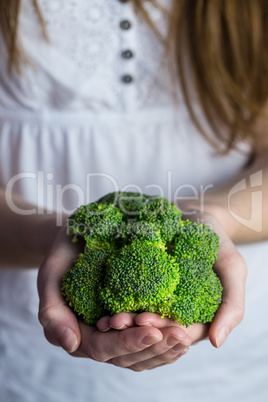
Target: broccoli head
x=140 y=255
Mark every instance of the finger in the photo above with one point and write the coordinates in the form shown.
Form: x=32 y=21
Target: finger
x=135 y=368
x=59 y=322
x=170 y=343
x=123 y=320
x=193 y=333
x=118 y=321
x=198 y=332
x=231 y=269
x=155 y=320
x=103 y=346
x=60 y=329
x=104 y=323
x=162 y=360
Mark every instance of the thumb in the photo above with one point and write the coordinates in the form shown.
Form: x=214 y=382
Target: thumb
x=59 y=322
x=231 y=269
x=60 y=327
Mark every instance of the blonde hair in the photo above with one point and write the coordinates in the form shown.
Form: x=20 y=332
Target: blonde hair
x=9 y=24
x=226 y=48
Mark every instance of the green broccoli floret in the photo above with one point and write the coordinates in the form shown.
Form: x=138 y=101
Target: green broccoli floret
x=164 y=215
x=139 y=255
x=198 y=294
x=140 y=277
x=95 y=220
x=129 y=204
x=196 y=242
x=82 y=284
x=142 y=231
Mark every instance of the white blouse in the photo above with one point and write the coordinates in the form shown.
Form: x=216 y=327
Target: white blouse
x=100 y=109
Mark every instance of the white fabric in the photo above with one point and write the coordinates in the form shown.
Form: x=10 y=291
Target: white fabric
x=73 y=131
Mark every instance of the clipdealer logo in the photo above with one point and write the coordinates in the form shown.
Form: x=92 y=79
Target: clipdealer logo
x=254 y=222
x=49 y=196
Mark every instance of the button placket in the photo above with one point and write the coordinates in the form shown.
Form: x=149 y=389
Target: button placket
x=127 y=25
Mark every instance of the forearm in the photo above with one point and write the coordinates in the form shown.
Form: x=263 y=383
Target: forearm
x=24 y=239
x=241 y=205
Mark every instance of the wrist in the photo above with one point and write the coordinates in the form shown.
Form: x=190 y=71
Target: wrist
x=207 y=213
x=26 y=235
x=225 y=219
x=35 y=236
x=44 y=230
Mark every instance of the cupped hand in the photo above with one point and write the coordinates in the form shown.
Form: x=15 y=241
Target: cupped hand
x=175 y=342
x=138 y=347
x=232 y=271
x=142 y=341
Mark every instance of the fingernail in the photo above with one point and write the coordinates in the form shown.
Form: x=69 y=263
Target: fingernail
x=151 y=340
x=173 y=340
x=121 y=327
x=104 y=329
x=184 y=351
x=68 y=340
x=184 y=343
x=221 y=336
x=179 y=348
x=145 y=324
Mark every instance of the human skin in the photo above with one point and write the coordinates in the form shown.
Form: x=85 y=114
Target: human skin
x=142 y=341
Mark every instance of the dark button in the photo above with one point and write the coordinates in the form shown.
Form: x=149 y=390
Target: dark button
x=123 y=1
x=127 y=54
x=125 y=24
x=127 y=79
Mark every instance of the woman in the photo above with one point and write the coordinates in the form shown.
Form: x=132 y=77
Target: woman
x=92 y=104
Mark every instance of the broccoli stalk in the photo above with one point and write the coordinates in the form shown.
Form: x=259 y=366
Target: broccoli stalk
x=139 y=255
